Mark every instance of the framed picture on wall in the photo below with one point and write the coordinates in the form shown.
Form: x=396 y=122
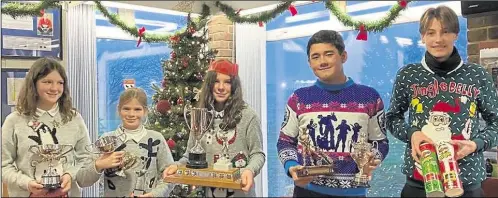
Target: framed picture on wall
x=32 y=37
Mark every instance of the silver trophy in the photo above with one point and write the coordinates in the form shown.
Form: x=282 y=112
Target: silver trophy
x=198 y=126
x=50 y=179
x=363 y=152
x=141 y=179
x=106 y=144
x=111 y=143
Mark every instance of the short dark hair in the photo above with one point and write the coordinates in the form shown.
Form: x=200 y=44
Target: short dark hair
x=326 y=36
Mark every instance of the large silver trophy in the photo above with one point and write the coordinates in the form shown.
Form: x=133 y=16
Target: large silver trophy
x=363 y=152
x=109 y=144
x=49 y=153
x=199 y=124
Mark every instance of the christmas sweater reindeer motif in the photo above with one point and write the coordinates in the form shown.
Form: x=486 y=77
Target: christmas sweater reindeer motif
x=445 y=108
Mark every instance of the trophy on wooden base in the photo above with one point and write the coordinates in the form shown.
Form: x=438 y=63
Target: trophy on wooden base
x=320 y=163
x=198 y=126
x=362 y=153
x=209 y=177
x=50 y=179
x=197 y=172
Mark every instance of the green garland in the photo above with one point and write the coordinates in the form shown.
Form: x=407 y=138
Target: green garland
x=375 y=26
x=147 y=37
x=262 y=17
x=16 y=9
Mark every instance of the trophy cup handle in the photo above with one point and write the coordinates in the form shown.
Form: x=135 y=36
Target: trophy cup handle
x=68 y=150
x=90 y=148
x=185 y=112
x=210 y=120
x=34 y=163
x=34 y=147
x=63 y=160
x=375 y=150
x=121 y=137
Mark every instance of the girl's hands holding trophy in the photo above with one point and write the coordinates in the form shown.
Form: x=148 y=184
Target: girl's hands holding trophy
x=109 y=160
x=171 y=170
x=36 y=188
x=247 y=180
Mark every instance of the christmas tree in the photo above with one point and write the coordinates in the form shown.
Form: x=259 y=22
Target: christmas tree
x=183 y=75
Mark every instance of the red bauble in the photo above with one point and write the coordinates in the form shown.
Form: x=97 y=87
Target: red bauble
x=179 y=101
x=164 y=83
x=403 y=3
x=173 y=54
x=185 y=62
x=174 y=39
x=171 y=143
x=191 y=30
x=163 y=106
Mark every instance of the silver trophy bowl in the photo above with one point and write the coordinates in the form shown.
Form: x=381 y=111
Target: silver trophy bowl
x=199 y=124
x=106 y=144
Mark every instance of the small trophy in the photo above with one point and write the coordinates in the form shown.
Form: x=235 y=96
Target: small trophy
x=223 y=163
x=141 y=179
x=112 y=143
x=198 y=126
x=50 y=179
x=320 y=163
x=106 y=144
x=361 y=156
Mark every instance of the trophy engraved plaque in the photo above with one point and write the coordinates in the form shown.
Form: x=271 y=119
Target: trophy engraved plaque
x=198 y=126
x=48 y=153
x=362 y=153
x=319 y=164
x=230 y=179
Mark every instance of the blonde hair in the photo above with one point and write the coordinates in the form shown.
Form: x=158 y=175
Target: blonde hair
x=133 y=93
x=27 y=101
x=443 y=14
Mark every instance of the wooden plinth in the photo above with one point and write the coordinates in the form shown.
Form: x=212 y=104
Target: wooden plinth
x=207 y=177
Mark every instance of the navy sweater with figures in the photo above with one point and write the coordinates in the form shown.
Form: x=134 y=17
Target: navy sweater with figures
x=445 y=107
x=330 y=118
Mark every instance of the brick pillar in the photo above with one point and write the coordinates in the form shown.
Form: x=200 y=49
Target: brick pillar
x=221 y=32
x=482 y=33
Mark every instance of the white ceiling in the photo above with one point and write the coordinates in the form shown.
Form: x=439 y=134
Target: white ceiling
x=197 y=5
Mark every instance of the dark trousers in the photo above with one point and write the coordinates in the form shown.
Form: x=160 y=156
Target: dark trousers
x=302 y=192
x=411 y=191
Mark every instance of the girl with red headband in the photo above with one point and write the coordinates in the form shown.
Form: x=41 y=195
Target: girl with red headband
x=236 y=130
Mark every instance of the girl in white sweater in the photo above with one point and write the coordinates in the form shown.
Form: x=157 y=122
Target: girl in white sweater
x=149 y=147
x=44 y=115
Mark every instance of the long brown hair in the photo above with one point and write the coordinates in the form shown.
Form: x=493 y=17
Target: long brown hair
x=233 y=106
x=28 y=96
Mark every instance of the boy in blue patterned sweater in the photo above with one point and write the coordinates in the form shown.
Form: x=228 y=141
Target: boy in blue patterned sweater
x=326 y=118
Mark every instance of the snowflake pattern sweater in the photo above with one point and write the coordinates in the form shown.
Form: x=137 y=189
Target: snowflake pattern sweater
x=330 y=118
x=445 y=107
